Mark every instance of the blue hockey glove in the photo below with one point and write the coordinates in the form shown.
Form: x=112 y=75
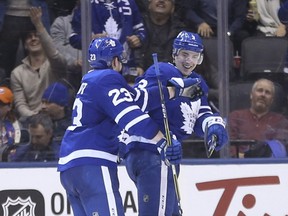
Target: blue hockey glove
x=188 y=87
x=174 y=152
x=216 y=133
x=170 y=154
x=161 y=147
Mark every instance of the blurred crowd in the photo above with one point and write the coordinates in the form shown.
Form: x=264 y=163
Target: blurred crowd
x=41 y=66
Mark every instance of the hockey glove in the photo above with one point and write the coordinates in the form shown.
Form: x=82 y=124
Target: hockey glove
x=193 y=92
x=185 y=87
x=170 y=154
x=174 y=152
x=216 y=133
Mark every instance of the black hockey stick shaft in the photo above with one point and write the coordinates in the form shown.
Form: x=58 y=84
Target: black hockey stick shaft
x=167 y=130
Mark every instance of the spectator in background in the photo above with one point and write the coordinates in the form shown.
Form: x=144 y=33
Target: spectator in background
x=120 y=20
x=57 y=103
x=42 y=147
x=61 y=30
x=201 y=17
x=60 y=8
x=283 y=17
x=263 y=21
x=10 y=127
x=43 y=65
x=14 y=24
x=258 y=123
x=162 y=28
x=249 y=26
x=142 y=5
x=283 y=13
x=269 y=23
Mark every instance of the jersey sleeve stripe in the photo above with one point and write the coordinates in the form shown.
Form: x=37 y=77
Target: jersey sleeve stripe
x=87 y=153
x=135 y=121
x=145 y=98
x=125 y=111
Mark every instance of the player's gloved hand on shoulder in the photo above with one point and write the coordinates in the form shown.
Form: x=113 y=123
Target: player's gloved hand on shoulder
x=193 y=92
x=170 y=154
x=216 y=130
x=187 y=87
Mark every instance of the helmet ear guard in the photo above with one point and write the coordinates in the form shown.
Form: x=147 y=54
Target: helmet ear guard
x=200 y=59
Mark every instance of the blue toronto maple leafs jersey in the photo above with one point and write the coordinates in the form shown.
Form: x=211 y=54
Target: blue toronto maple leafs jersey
x=117 y=18
x=105 y=104
x=184 y=116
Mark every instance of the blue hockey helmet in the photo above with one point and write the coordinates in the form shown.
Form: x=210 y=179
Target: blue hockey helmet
x=102 y=51
x=187 y=41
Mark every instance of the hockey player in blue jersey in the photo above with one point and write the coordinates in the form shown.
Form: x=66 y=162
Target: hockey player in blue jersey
x=104 y=105
x=154 y=180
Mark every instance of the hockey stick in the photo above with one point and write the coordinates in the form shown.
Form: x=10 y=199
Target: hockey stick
x=167 y=130
x=209 y=146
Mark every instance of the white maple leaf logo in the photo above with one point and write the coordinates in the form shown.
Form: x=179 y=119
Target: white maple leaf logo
x=189 y=117
x=111 y=28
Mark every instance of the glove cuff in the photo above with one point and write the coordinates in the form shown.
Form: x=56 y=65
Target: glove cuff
x=176 y=81
x=178 y=85
x=181 y=84
x=213 y=120
x=161 y=144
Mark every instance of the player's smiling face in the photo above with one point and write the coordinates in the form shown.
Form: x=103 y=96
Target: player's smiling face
x=186 y=61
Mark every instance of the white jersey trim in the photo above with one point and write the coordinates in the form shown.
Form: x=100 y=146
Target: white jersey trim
x=87 y=153
x=135 y=121
x=125 y=111
x=127 y=139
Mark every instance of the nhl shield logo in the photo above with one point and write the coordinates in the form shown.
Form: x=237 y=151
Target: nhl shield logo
x=18 y=207
x=27 y=202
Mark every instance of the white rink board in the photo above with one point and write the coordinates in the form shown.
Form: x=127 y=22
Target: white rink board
x=206 y=190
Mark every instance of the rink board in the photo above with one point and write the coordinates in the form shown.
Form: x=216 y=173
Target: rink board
x=206 y=189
